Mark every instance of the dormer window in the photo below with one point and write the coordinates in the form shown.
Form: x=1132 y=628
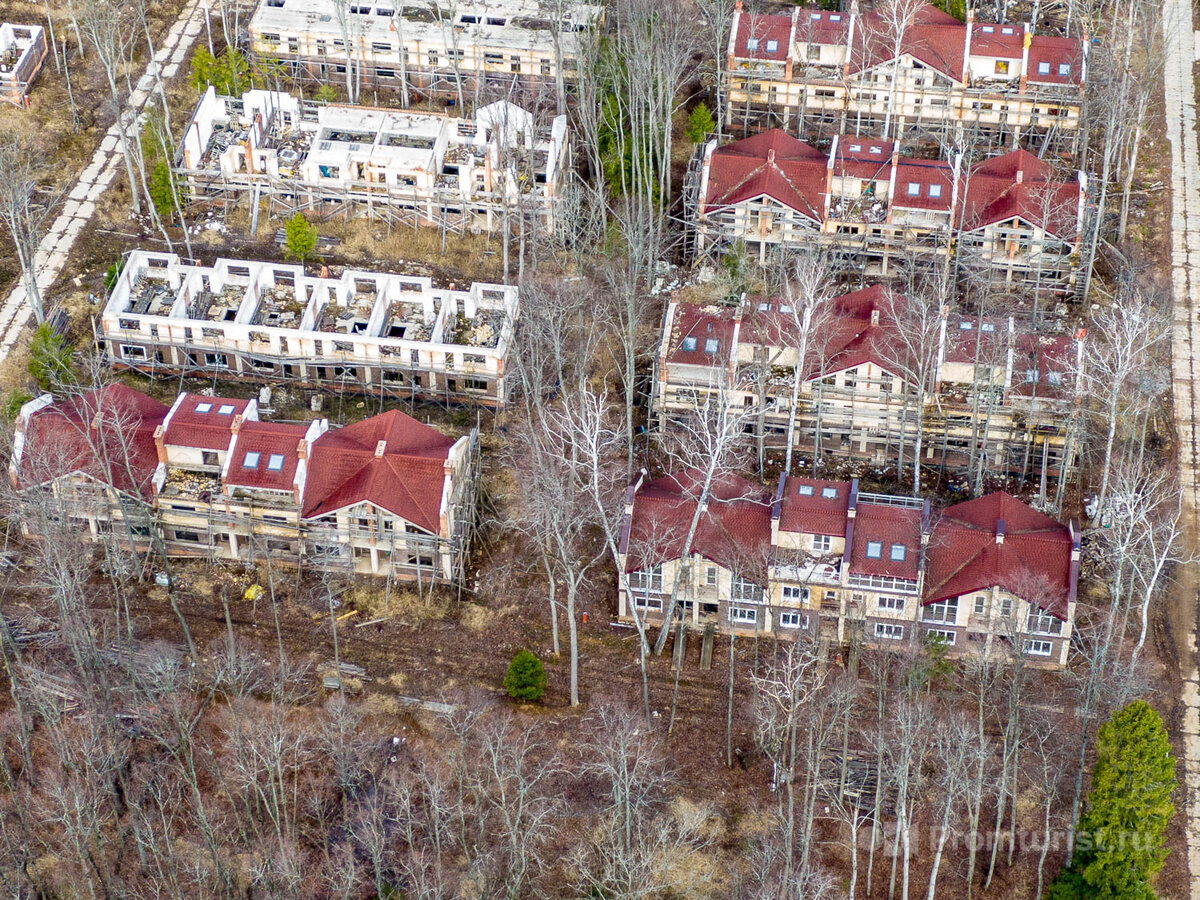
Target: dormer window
x=226 y=409
x=275 y=462
x=898 y=552
x=689 y=343
x=250 y=460
x=874 y=550
x=829 y=493
x=805 y=490
x=203 y=407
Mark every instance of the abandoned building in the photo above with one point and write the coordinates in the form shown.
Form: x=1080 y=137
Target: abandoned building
x=424 y=48
x=207 y=478
x=999 y=398
x=1009 y=220
x=23 y=49
x=819 y=73
x=496 y=171
x=362 y=332
x=843 y=566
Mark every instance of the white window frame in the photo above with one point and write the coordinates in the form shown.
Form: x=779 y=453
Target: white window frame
x=644 y=580
x=791 y=619
x=644 y=601
x=689 y=343
x=751 y=45
x=1043 y=68
x=133 y=351
x=710 y=576
x=1006 y=607
x=743 y=586
x=1037 y=648
x=226 y=409
x=891 y=603
x=822 y=543
x=743 y=615
x=805 y=490
x=829 y=493
x=874 y=549
x=935 y=190
x=711 y=345
x=203 y=408
x=1064 y=69
x=795 y=593
x=772 y=46
x=945 y=634
x=944 y=611
x=887 y=631
x=980 y=604
x=1040 y=622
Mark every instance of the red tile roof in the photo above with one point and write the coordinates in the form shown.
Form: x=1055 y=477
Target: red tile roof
x=1033 y=562
x=1019 y=185
x=407 y=479
x=930 y=178
x=734 y=532
x=268 y=440
x=764 y=28
x=773 y=163
x=704 y=323
x=886 y=525
x=986 y=341
x=107 y=434
x=935 y=38
x=814 y=513
x=1055 y=51
x=189 y=427
x=1051 y=357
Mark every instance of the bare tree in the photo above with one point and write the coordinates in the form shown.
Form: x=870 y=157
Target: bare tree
x=23 y=213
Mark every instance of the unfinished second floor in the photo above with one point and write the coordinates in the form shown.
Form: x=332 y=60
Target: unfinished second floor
x=357 y=330
x=23 y=49
x=497 y=165
x=918 y=74
x=427 y=48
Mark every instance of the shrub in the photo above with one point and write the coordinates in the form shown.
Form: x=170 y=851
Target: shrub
x=13 y=404
x=300 y=238
x=526 y=677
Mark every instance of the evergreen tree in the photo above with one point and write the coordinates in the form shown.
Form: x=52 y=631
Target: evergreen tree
x=300 y=238
x=526 y=677
x=50 y=358
x=700 y=123
x=162 y=189
x=1120 y=835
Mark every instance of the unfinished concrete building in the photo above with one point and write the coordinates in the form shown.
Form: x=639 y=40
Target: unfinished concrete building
x=844 y=567
x=422 y=48
x=1009 y=220
x=933 y=77
x=496 y=171
x=23 y=49
x=207 y=478
x=362 y=332
x=1001 y=399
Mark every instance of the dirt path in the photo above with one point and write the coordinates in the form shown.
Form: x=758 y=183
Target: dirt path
x=105 y=164
x=1180 y=53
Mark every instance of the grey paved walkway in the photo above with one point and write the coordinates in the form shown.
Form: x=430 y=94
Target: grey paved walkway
x=1180 y=46
x=105 y=164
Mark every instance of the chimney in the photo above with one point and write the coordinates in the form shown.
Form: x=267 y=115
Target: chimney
x=874 y=315
x=380 y=447
x=302 y=451
x=771 y=157
x=1020 y=175
x=160 y=445
x=236 y=425
x=999 y=531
